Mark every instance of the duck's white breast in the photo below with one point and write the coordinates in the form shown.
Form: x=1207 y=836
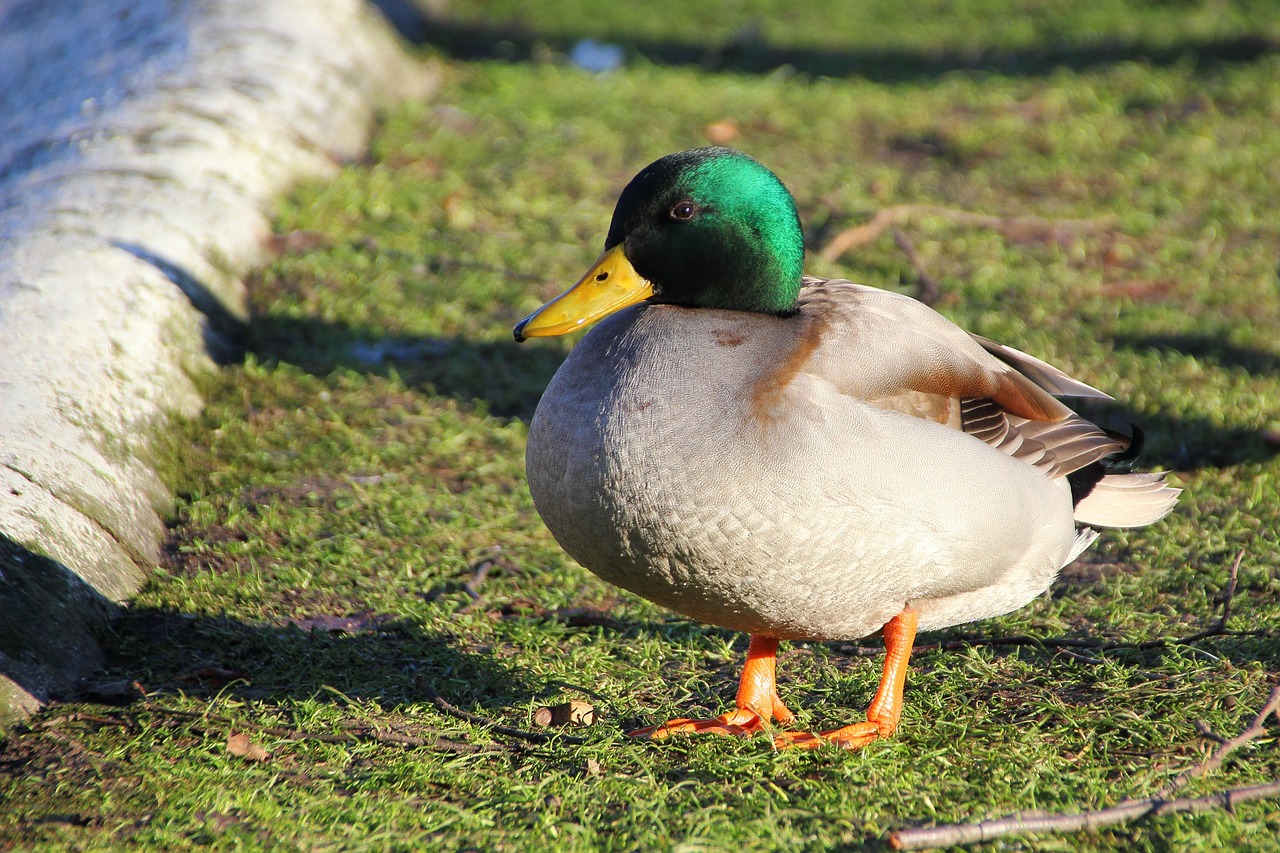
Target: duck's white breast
x=656 y=462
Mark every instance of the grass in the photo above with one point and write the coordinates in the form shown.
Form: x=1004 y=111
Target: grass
x=350 y=476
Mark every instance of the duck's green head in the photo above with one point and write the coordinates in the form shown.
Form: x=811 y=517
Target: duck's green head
x=707 y=228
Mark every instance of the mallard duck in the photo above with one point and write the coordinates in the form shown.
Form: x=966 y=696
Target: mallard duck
x=798 y=458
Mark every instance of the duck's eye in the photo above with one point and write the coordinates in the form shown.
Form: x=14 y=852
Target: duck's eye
x=683 y=211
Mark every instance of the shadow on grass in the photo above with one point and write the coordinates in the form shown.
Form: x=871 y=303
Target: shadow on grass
x=1180 y=442
x=379 y=659
x=210 y=658
x=1211 y=347
x=748 y=52
x=169 y=651
x=1183 y=443
x=506 y=377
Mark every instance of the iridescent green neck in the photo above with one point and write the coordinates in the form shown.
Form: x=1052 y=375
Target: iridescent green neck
x=740 y=246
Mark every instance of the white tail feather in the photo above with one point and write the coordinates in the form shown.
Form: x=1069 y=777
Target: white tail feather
x=1127 y=500
x=1084 y=538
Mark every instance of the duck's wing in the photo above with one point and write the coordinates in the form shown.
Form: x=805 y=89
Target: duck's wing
x=1040 y=372
x=898 y=354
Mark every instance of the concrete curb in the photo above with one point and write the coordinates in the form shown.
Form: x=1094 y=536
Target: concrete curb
x=141 y=142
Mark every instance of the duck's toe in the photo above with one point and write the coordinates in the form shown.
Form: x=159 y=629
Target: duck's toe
x=740 y=722
x=886 y=708
x=854 y=736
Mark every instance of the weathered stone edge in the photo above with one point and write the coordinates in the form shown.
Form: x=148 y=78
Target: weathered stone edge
x=123 y=233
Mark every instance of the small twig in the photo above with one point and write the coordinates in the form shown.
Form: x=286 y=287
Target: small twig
x=1220 y=627
x=472 y=586
x=77 y=748
x=103 y=721
x=1034 y=822
x=1014 y=227
x=368 y=733
x=930 y=290
x=1255 y=730
x=1029 y=823
x=479 y=571
x=1080 y=656
x=1203 y=729
x=497 y=728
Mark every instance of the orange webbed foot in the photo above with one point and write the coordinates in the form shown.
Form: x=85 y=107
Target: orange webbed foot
x=757 y=703
x=886 y=708
x=740 y=722
x=854 y=736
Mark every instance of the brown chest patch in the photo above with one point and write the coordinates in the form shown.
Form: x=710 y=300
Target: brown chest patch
x=769 y=387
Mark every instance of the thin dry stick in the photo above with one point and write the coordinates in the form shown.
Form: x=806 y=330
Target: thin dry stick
x=1256 y=729
x=479 y=571
x=366 y=732
x=497 y=728
x=1123 y=812
x=1015 y=227
x=1220 y=628
x=930 y=290
x=968 y=833
x=472 y=586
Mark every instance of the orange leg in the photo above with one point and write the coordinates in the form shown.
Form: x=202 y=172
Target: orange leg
x=757 y=703
x=886 y=708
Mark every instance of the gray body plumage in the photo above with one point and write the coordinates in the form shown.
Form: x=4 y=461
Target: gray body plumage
x=773 y=475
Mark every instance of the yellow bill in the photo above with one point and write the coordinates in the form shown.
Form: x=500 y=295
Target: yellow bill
x=610 y=285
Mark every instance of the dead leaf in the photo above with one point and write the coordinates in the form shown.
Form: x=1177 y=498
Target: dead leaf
x=722 y=132
x=584 y=617
x=239 y=744
x=575 y=713
x=1140 y=289
x=593 y=767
